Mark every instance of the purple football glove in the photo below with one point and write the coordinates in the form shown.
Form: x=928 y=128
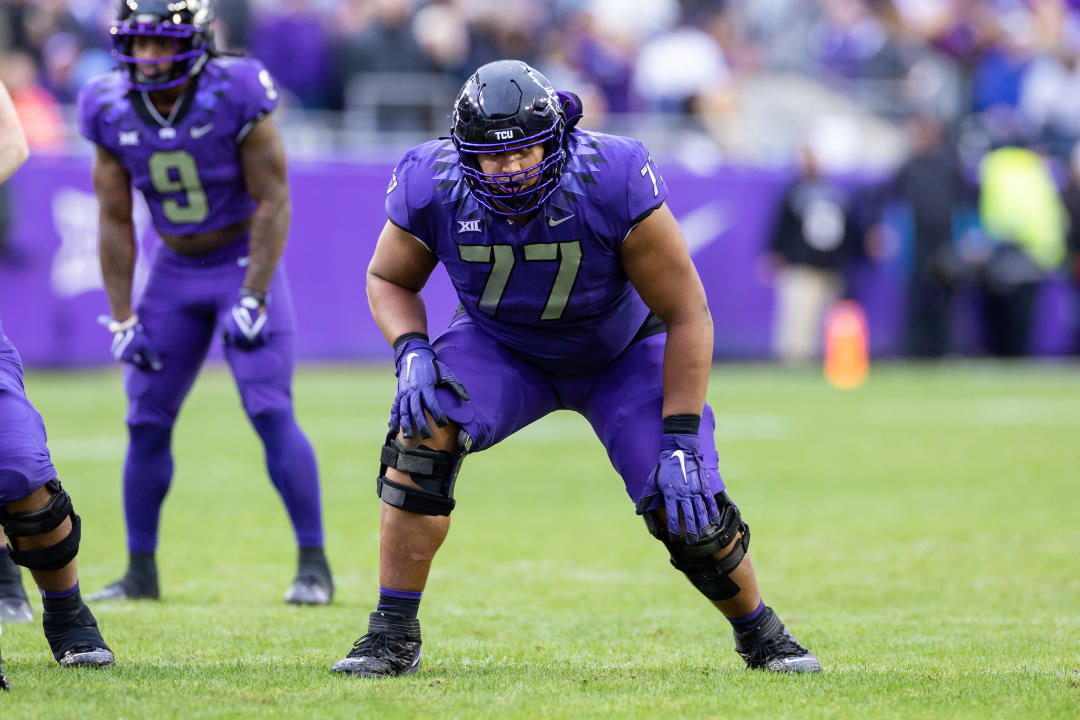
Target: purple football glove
x=418 y=374
x=245 y=326
x=130 y=343
x=679 y=478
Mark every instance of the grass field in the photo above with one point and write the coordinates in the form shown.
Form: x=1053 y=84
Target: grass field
x=921 y=535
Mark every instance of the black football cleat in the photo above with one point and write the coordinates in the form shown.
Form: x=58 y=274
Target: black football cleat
x=140 y=582
x=3 y=680
x=124 y=589
x=14 y=605
x=313 y=584
x=391 y=647
x=310 y=590
x=769 y=646
x=74 y=638
x=15 y=610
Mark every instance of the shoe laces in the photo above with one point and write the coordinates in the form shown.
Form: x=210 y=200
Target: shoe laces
x=784 y=645
x=377 y=644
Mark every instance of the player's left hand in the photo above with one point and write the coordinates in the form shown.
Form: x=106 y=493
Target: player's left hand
x=245 y=327
x=678 y=477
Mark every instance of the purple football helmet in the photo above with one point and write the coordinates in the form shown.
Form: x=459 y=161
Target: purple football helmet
x=507 y=105
x=187 y=22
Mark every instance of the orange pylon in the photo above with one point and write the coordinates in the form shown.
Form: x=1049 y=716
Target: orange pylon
x=847 y=345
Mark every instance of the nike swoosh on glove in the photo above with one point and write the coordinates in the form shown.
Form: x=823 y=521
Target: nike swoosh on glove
x=418 y=374
x=679 y=479
x=245 y=326
x=130 y=343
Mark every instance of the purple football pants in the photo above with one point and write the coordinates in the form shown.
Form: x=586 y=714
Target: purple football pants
x=185 y=299
x=24 y=457
x=623 y=401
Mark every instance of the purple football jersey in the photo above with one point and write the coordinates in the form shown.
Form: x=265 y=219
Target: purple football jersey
x=187 y=165
x=553 y=290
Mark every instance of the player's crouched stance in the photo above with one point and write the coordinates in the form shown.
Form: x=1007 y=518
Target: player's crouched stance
x=578 y=293
x=40 y=523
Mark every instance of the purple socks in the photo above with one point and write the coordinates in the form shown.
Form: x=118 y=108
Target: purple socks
x=744 y=623
x=402 y=602
x=60 y=594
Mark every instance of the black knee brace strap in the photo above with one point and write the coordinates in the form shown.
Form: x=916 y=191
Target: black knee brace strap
x=711 y=576
x=433 y=470
x=18 y=525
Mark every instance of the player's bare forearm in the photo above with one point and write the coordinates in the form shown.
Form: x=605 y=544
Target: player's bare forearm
x=13 y=147
x=397 y=272
x=262 y=155
x=269 y=230
x=116 y=241
x=687 y=360
x=658 y=264
x=116 y=249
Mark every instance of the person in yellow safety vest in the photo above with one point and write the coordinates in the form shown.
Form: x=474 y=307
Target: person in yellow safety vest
x=1021 y=212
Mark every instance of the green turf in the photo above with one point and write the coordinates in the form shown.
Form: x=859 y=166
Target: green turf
x=919 y=534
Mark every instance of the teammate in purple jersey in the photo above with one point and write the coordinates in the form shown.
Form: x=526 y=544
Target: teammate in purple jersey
x=190 y=129
x=577 y=292
x=35 y=512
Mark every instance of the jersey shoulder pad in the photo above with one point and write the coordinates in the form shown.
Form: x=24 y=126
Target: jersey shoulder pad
x=240 y=87
x=617 y=175
x=102 y=102
x=425 y=178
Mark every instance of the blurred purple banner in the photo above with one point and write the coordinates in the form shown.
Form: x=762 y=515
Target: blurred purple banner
x=51 y=291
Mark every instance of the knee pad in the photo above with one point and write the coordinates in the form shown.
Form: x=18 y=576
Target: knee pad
x=19 y=525
x=433 y=470
x=709 y=574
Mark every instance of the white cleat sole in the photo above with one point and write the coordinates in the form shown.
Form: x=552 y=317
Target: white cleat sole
x=15 y=610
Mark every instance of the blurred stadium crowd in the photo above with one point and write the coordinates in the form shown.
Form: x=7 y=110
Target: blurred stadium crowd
x=717 y=60
x=914 y=93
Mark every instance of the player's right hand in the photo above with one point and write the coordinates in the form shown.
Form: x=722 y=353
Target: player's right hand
x=130 y=343
x=418 y=374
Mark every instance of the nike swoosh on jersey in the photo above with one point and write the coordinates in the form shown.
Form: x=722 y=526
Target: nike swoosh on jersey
x=552 y=222
x=682 y=463
x=198 y=132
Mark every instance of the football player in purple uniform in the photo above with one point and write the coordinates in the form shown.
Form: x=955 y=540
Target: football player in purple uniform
x=577 y=292
x=190 y=129
x=35 y=512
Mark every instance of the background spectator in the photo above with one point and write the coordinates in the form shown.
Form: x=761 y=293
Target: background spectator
x=38 y=109
x=814 y=233
x=1021 y=212
x=290 y=38
x=1071 y=199
x=930 y=187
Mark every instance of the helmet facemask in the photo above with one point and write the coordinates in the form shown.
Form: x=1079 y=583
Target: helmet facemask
x=189 y=30
x=514 y=193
